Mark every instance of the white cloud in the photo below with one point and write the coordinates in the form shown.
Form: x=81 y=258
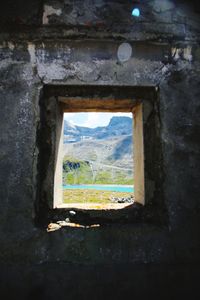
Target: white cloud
x=69 y=116
x=93 y=120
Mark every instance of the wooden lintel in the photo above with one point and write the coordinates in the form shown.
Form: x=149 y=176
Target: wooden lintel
x=96 y=105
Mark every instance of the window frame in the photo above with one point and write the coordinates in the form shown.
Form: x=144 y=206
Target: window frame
x=98 y=105
x=146 y=117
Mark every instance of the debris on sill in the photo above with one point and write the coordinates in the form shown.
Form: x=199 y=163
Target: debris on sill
x=60 y=224
x=72 y=212
x=53 y=227
x=129 y=199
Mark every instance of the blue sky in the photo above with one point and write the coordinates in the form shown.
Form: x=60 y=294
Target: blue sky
x=92 y=119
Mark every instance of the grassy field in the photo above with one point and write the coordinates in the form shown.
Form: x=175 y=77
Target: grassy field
x=91 y=196
x=77 y=171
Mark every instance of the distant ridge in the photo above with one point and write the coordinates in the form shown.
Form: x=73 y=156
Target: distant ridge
x=117 y=126
x=99 y=155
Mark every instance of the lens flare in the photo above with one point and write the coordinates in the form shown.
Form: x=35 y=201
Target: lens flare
x=136 y=12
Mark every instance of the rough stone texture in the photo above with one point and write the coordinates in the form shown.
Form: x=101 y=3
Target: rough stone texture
x=79 y=46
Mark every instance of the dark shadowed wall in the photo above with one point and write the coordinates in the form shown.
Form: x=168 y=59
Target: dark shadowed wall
x=58 y=43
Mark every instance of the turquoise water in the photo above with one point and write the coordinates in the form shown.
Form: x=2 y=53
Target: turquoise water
x=112 y=188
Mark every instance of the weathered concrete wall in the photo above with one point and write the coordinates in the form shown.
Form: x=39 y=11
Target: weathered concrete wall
x=165 y=53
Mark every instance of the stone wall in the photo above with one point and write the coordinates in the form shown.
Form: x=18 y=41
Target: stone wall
x=75 y=43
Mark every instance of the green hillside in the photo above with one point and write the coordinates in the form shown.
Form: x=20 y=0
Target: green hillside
x=76 y=171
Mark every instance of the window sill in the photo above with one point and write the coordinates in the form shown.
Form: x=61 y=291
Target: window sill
x=96 y=206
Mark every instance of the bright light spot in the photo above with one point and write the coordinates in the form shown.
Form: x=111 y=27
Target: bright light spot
x=136 y=12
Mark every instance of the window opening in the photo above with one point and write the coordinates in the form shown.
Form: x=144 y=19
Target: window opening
x=87 y=105
x=98 y=160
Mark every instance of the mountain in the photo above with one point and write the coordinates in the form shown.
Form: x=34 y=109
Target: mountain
x=117 y=126
x=123 y=148
x=99 y=155
x=108 y=145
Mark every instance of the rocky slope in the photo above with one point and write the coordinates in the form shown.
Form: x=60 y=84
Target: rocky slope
x=117 y=126
x=102 y=152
